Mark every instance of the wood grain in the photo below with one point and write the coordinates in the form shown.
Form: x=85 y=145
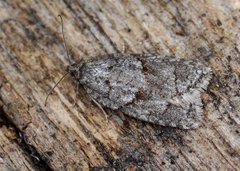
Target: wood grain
x=66 y=137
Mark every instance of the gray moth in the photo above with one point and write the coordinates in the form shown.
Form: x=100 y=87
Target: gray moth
x=159 y=89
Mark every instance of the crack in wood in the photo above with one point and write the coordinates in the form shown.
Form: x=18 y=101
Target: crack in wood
x=38 y=161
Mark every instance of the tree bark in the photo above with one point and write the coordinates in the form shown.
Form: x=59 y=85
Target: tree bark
x=63 y=136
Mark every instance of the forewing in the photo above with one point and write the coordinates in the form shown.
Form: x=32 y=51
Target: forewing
x=158 y=89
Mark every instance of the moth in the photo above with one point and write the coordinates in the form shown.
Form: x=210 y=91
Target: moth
x=155 y=88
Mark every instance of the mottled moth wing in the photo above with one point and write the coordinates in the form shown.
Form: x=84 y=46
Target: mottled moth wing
x=154 y=88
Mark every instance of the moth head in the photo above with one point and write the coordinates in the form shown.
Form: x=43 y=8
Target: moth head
x=75 y=70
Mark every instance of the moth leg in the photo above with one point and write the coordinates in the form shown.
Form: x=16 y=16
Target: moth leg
x=101 y=108
x=76 y=96
x=123 y=50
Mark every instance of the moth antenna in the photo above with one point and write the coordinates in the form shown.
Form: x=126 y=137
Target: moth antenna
x=55 y=87
x=64 y=41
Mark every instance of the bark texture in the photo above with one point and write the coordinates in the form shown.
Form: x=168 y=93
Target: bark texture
x=61 y=136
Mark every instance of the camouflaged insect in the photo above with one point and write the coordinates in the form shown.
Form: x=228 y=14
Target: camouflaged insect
x=154 y=88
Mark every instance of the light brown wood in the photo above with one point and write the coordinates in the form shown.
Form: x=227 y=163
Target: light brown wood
x=67 y=137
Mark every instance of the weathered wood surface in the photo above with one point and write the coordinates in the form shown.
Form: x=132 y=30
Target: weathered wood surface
x=60 y=136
